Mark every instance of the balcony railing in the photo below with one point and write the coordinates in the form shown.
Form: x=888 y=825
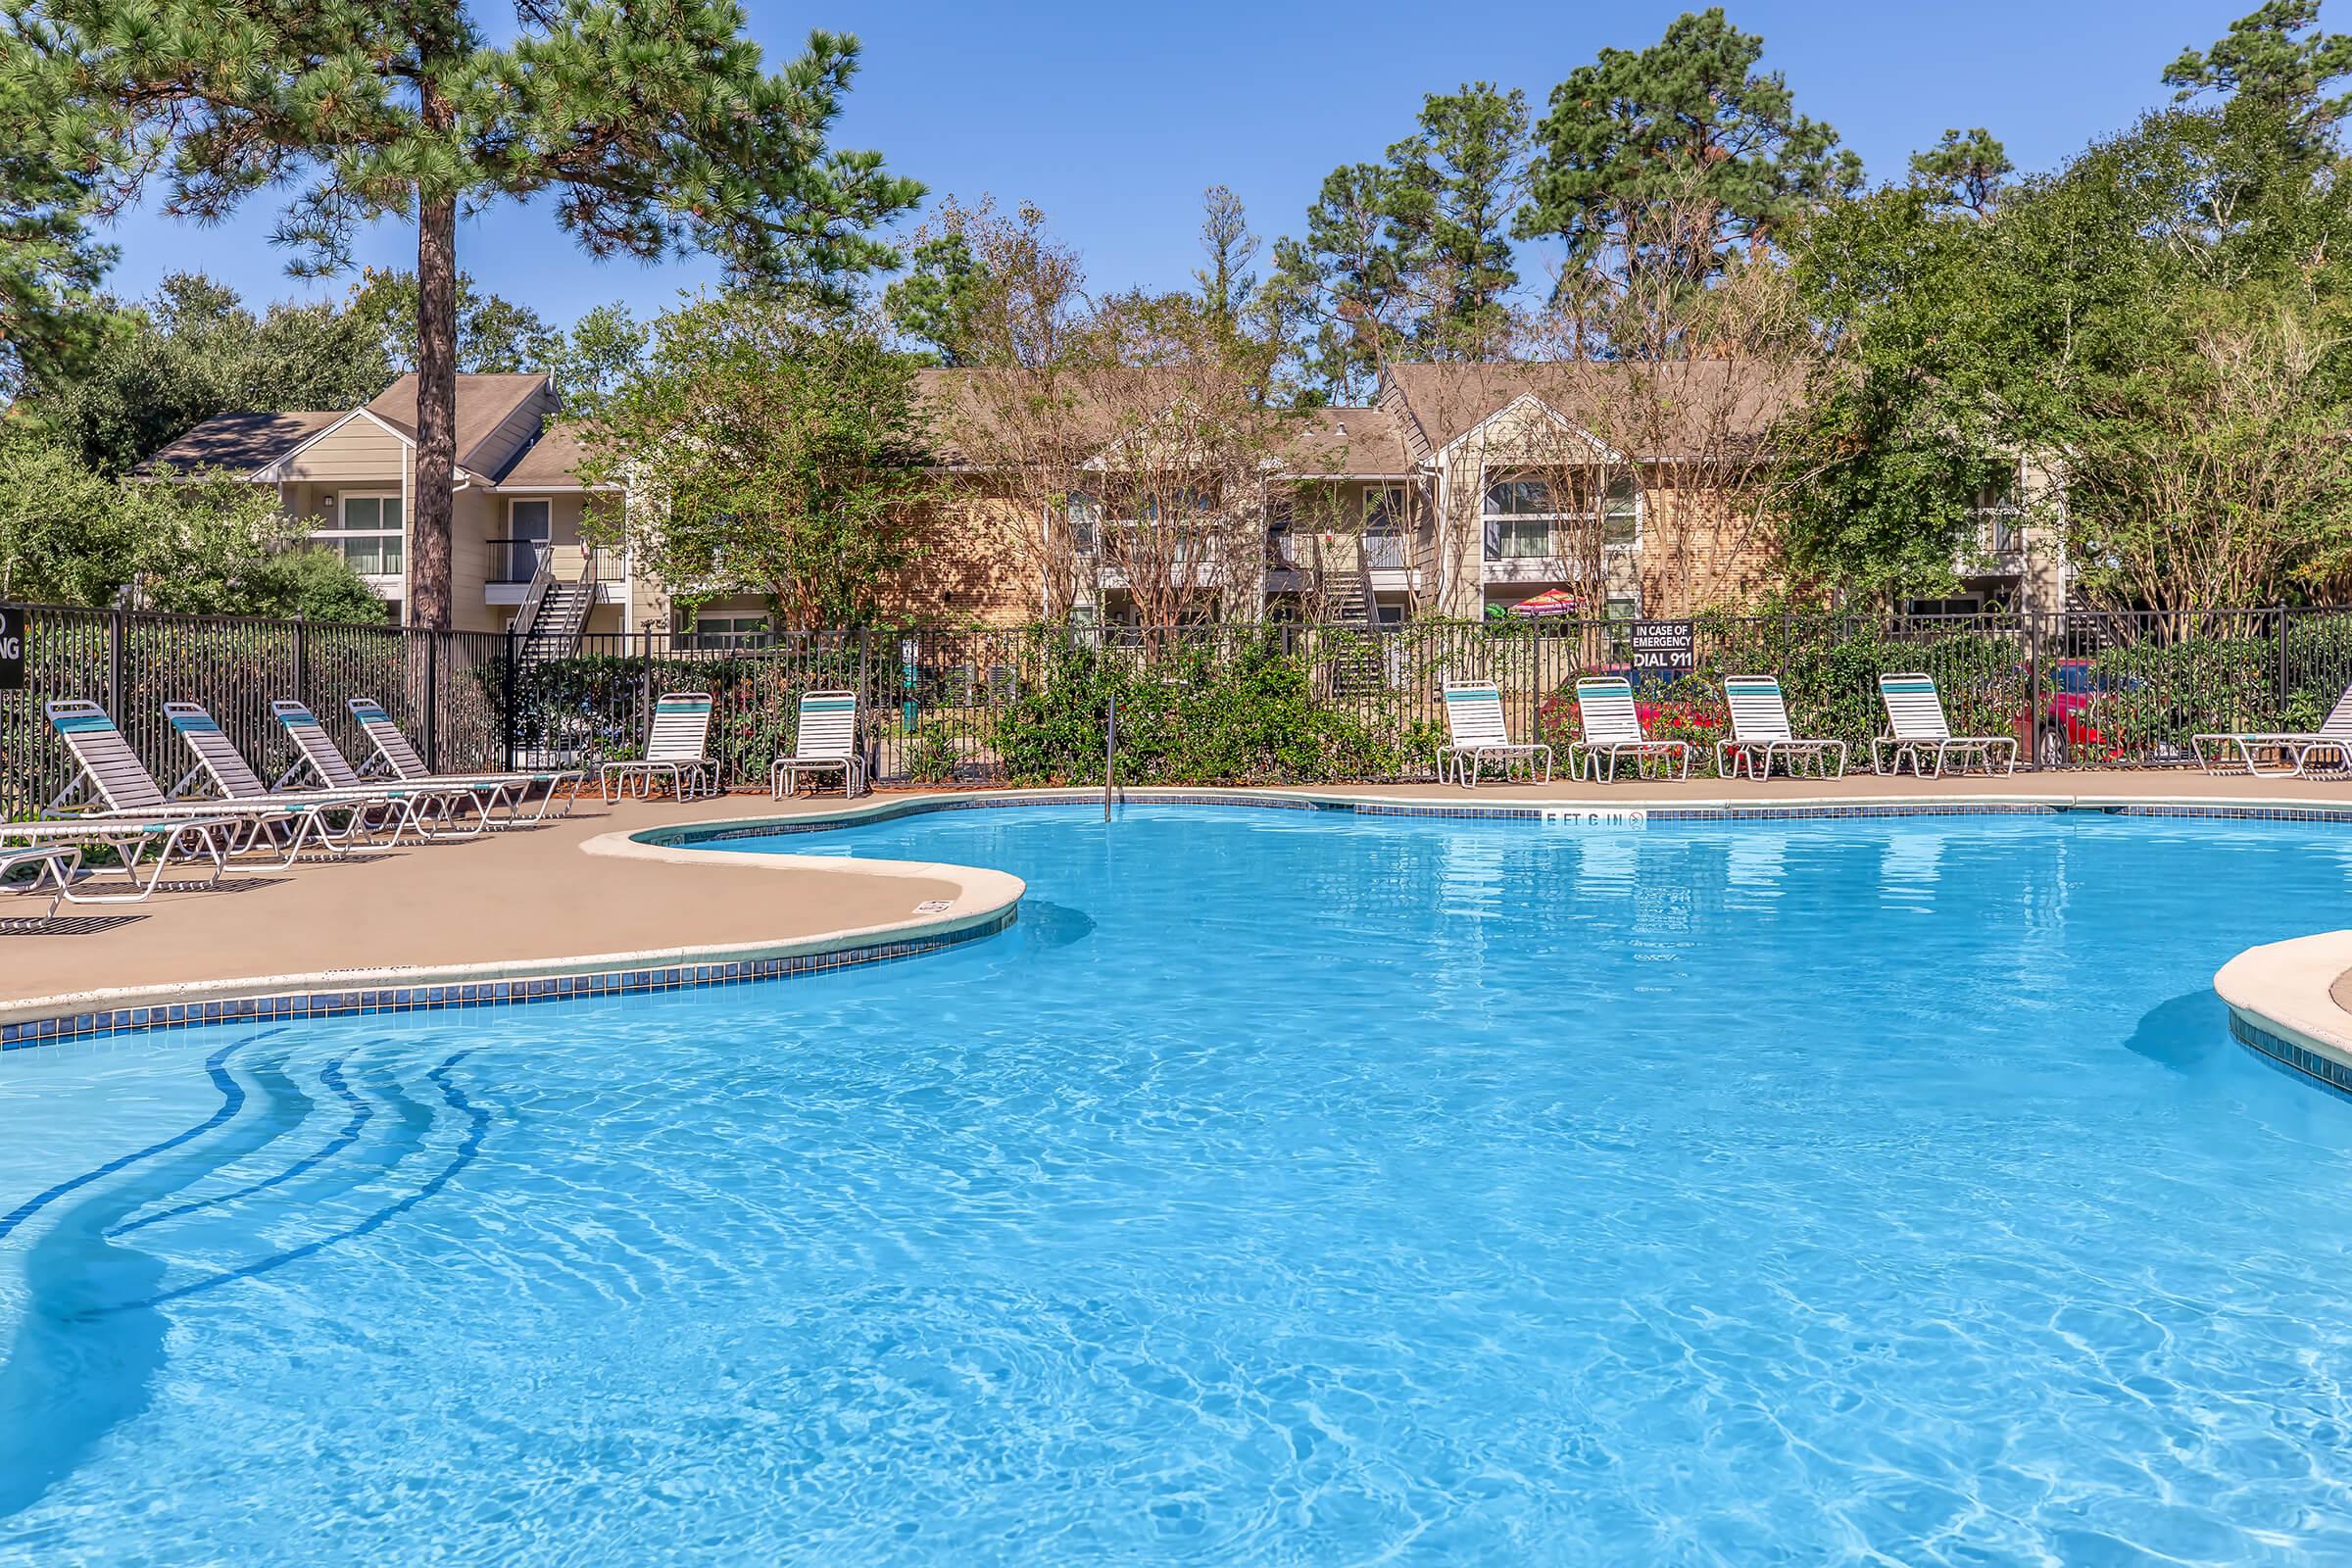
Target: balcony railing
x=516 y=562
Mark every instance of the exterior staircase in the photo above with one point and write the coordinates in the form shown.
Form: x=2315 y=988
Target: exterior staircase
x=554 y=613
x=1359 y=667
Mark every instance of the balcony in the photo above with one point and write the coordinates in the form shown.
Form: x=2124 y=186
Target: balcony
x=514 y=562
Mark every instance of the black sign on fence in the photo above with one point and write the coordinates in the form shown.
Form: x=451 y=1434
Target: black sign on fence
x=1666 y=646
x=12 y=649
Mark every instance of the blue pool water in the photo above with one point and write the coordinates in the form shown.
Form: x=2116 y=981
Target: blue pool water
x=1282 y=1189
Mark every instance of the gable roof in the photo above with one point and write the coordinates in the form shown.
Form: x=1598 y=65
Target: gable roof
x=551 y=462
x=1098 y=407
x=1664 y=410
x=483 y=404
x=239 y=442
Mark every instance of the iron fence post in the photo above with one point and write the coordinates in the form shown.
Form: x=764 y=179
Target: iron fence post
x=116 y=627
x=513 y=715
x=2278 y=707
x=2034 y=694
x=433 y=700
x=302 y=659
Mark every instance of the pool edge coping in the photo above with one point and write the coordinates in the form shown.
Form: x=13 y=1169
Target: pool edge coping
x=985 y=903
x=2281 y=1005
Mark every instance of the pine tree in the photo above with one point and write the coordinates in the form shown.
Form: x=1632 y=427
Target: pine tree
x=1456 y=181
x=1689 y=124
x=652 y=130
x=51 y=166
x=1348 y=278
x=2273 y=62
x=1964 y=171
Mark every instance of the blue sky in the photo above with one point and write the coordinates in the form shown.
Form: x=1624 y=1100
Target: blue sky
x=1114 y=118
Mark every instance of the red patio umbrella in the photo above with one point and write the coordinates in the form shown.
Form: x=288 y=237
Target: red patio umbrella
x=1550 y=601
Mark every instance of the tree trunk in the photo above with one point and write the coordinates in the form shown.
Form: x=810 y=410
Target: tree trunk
x=437 y=409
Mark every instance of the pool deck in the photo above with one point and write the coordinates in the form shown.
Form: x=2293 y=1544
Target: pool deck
x=517 y=903
x=575 y=896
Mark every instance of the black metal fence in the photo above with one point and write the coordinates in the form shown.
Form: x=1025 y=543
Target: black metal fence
x=2077 y=689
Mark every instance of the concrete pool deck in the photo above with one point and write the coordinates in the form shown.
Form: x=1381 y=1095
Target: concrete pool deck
x=523 y=904
x=552 y=902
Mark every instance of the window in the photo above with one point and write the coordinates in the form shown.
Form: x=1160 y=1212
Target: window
x=366 y=530
x=1621 y=513
x=1966 y=605
x=2000 y=515
x=1187 y=502
x=1518 y=520
x=1524 y=520
x=1086 y=517
x=730 y=629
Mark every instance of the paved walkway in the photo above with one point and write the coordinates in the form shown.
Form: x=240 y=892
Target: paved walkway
x=534 y=895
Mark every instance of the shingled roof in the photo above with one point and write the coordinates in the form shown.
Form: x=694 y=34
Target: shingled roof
x=239 y=442
x=1332 y=441
x=1667 y=410
x=483 y=404
x=551 y=463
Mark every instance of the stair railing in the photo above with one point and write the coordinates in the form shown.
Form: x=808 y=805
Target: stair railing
x=543 y=577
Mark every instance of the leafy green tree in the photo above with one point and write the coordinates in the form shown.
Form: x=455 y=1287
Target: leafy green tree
x=649 y=128
x=2165 y=316
x=63 y=540
x=2276 y=62
x=1901 y=425
x=195 y=350
x=590 y=361
x=768 y=448
x=1688 y=123
x=494 y=334
x=203 y=543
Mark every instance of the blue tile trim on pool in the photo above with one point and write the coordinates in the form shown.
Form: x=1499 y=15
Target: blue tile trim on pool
x=1762 y=811
x=342 y=1002
x=2285 y=1054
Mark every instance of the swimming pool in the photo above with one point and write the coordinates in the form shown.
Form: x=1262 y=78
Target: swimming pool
x=1283 y=1186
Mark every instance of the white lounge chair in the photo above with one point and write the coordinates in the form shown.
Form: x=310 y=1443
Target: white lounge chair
x=678 y=745
x=53 y=864
x=824 y=739
x=133 y=814
x=393 y=751
x=1612 y=729
x=1761 y=732
x=1916 y=729
x=130 y=838
x=372 y=811
x=436 y=809
x=2293 y=753
x=1476 y=732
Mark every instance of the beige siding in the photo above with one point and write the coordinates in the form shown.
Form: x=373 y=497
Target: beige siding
x=1698 y=548
x=361 y=452
x=476 y=515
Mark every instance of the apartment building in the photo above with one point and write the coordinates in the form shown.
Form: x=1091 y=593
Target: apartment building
x=1463 y=491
